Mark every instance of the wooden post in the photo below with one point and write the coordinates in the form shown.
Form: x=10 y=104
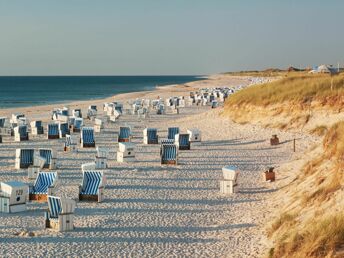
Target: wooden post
x=294 y=144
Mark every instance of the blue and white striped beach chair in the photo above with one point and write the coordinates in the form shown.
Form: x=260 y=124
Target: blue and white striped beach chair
x=78 y=123
x=21 y=133
x=92 y=187
x=63 y=129
x=53 y=131
x=182 y=141
x=50 y=159
x=2 y=122
x=169 y=154
x=44 y=185
x=87 y=137
x=60 y=215
x=70 y=143
x=124 y=134
x=172 y=131
x=24 y=158
x=36 y=127
x=150 y=136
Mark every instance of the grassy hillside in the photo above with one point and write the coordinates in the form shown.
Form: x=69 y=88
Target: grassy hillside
x=312 y=224
x=291 y=101
x=300 y=89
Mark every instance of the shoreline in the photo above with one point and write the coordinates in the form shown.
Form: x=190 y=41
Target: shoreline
x=181 y=88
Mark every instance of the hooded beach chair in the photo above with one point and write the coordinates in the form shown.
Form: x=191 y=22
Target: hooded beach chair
x=53 y=131
x=98 y=125
x=45 y=184
x=92 y=112
x=101 y=157
x=169 y=154
x=195 y=135
x=63 y=129
x=150 y=136
x=124 y=134
x=50 y=158
x=182 y=141
x=38 y=164
x=21 y=133
x=2 y=122
x=60 y=214
x=172 y=131
x=214 y=104
x=13 y=196
x=161 y=109
x=87 y=137
x=78 y=123
x=92 y=187
x=229 y=184
x=70 y=143
x=77 y=112
x=36 y=127
x=24 y=158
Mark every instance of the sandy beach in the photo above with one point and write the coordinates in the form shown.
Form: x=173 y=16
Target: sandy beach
x=152 y=210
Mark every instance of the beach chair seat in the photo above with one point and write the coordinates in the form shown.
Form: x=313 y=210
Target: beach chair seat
x=124 y=134
x=87 y=137
x=63 y=129
x=172 y=131
x=150 y=136
x=24 y=158
x=161 y=109
x=50 y=158
x=92 y=187
x=38 y=164
x=44 y=185
x=60 y=214
x=169 y=154
x=77 y=113
x=194 y=135
x=101 y=157
x=13 y=196
x=98 y=125
x=92 y=112
x=214 y=104
x=78 y=123
x=70 y=143
x=53 y=131
x=36 y=128
x=182 y=141
x=126 y=152
x=229 y=183
x=21 y=133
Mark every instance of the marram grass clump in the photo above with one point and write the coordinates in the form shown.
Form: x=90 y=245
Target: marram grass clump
x=295 y=89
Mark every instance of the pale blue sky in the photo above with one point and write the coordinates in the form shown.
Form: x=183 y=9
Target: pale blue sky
x=152 y=37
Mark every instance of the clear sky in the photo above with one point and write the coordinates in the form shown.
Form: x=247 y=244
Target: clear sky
x=155 y=37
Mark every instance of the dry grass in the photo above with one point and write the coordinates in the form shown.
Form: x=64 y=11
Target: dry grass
x=334 y=143
x=295 y=89
x=319 y=189
x=317 y=238
x=320 y=130
x=286 y=219
x=266 y=73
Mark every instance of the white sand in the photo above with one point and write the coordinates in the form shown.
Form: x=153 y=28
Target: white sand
x=152 y=210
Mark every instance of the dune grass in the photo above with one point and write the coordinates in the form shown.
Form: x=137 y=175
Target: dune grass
x=300 y=89
x=320 y=130
x=334 y=143
x=322 y=237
